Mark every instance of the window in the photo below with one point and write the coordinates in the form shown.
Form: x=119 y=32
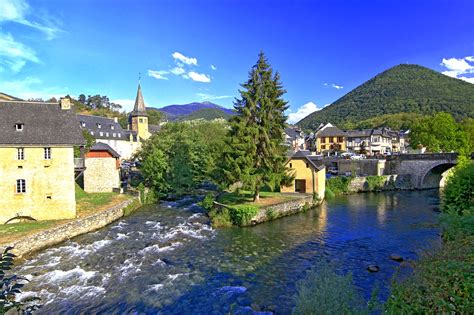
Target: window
x=47 y=153
x=99 y=125
x=307 y=165
x=332 y=140
x=20 y=153
x=19 y=127
x=106 y=134
x=340 y=139
x=114 y=135
x=119 y=135
x=20 y=186
x=112 y=127
x=140 y=120
x=83 y=124
x=323 y=147
x=291 y=165
x=101 y=133
x=92 y=133
x=323 y=140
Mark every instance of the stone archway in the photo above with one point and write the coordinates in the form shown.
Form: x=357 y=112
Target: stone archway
x=433 y=177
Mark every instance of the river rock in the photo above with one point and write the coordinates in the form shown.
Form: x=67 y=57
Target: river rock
x=256 y=307
x=373 y=268
x=396 y=257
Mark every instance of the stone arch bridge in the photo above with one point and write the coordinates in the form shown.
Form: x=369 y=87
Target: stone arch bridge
x=425 y=170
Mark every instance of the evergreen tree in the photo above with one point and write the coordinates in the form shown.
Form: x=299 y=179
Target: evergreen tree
x=255 y=154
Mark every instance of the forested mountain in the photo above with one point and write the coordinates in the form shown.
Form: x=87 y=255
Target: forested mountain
x=206 y=114
x=174 y=112
x=401 y=89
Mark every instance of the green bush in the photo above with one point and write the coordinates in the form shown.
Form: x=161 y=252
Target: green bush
x=220 y=218
x=306 y=207
x=11 y=286
x=271 y=214
x=243 y=214
x=458 y=194
x=328 y=193
x=208 y=202
x=339 y=184
x=323 y=291
x=147 y=196
x=128 y=210
x=375 y=182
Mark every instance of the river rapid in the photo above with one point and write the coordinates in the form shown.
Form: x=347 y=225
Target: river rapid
x=167 y=259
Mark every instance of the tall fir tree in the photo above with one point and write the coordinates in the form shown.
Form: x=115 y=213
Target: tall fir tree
x=255 y=154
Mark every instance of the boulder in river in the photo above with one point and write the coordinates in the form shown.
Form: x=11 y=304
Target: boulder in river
x=373 y=268
x=396 y=257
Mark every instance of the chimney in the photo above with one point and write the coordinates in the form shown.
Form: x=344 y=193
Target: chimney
x=115 y=119
x=65 y=103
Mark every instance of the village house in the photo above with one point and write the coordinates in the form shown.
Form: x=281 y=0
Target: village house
x=37 y=141
x=329 y=139
x=102 y=173
x=309 y=172
x=370 y=141
x=294 y=138
x=125 y=142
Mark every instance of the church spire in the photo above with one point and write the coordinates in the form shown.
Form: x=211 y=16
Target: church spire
x=140 y=108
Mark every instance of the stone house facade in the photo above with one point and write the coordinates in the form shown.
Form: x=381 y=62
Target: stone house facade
x=310 y=175
x=102 y=173
x=37 y=142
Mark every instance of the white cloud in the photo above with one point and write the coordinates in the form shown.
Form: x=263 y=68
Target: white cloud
x=213 y=67
x=337 y=86
x=127 y=104
x=158 y=74
x=302 y=112
x=31 y=87
x=456 y=67
x=199 y=77
x=187 y=60
x=14 y=55
x=177 y=70
x=18 y=11
x=210 y=97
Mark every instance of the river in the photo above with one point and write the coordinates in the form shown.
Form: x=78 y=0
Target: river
x=167 y=259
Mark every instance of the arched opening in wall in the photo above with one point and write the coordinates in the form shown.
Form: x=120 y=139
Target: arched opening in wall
x=434 y=177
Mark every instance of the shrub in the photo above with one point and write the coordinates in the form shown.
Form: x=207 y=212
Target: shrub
x=128 y=210
x=208 y=202
x=323 y=291
x=375 y=182
x=339 y=184
x=147 y=196
x=243 y=214
x=271 y=214
x=329 y=194
x=306 y=207
x=220 y=218
x=458 y=195
x=10 y=287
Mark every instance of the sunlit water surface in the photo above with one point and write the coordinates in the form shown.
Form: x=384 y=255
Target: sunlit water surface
x=167 y=259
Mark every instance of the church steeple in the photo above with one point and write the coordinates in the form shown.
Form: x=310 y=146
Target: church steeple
x=139 y=117
x=139 y=109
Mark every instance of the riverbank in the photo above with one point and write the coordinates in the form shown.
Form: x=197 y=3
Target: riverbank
x=240 y=210
x=94 y=211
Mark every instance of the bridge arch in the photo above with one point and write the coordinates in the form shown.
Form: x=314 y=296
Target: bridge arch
x=433 y=176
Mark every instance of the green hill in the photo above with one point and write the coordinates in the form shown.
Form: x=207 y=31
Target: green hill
x=206 y=114
x=401 y=89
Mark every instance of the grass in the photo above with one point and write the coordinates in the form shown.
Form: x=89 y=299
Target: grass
x=245 y=198
x=86 y=204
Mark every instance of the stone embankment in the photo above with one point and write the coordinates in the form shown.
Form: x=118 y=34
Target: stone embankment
x=61 y=233
x=380 y=183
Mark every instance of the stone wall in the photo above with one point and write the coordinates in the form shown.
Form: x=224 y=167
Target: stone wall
x=66 y=231
x=390 y=182
x=272 y=212
x=101 y=175
x=369 y=167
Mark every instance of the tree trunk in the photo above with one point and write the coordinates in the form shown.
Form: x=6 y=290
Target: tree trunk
x=256 y=195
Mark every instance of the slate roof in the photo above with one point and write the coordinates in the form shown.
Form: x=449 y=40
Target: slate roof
x=314 y=161
x=293 y=133
x=330 y=132
x=108 y=128
x=153 y=128
x=6 y=97
x=43 y=124
x=100 y=146
x=139 y=109
x=361 y=133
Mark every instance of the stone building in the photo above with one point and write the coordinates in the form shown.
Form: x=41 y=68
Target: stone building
x=370 y=141
x=294 y=138
x=125 y=142
x=329 y=139
x=102 y=173
x=37 y=142
x=310 y=175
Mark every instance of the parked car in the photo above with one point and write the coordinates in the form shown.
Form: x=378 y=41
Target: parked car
x=356 y=157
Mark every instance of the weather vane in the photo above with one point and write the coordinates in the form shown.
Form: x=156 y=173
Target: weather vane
x=139 y=77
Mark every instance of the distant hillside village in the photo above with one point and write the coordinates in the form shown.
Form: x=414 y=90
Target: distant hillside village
x=329 y=140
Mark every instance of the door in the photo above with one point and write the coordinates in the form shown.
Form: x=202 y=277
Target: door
x=300 y=186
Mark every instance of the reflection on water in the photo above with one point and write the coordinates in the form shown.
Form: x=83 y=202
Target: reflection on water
x=167 y=258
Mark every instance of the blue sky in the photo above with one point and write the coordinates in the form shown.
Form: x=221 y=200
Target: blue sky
x=202 y=50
